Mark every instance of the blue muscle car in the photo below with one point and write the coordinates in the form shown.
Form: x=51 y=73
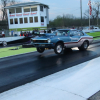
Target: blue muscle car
x=61 y=40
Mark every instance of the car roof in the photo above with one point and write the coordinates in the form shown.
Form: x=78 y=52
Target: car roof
x=73 y=29
x=63 y=29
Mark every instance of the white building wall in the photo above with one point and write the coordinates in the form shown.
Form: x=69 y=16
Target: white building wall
x=43 y=13
x=8 y=17
x=47 y=14
x=28 y=14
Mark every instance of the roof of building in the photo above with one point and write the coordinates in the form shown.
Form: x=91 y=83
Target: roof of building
x=26 y=4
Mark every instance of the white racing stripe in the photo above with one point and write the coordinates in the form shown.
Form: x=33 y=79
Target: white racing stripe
x=75 y=83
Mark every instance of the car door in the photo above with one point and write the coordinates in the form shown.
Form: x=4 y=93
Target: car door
x=74 y=37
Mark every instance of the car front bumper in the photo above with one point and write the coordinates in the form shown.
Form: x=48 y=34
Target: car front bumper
x=44 y=45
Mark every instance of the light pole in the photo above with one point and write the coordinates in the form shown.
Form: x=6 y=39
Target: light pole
x=4 y=3
x=81 y=11
x=4 y=9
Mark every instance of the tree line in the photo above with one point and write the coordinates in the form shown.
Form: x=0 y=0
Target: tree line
x=66 y=21
x=70 y=20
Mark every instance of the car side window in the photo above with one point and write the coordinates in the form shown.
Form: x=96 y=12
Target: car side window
x=58 y=33
x=81 y=33
x=73 y=33
x=78 y=33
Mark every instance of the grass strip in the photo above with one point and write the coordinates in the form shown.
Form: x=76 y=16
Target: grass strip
x=4 y=52
x=94 y=34
x=9 y=51
x=96 y=38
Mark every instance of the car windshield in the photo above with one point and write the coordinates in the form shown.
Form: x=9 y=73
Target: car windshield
x=66 y=31
x=60 y=33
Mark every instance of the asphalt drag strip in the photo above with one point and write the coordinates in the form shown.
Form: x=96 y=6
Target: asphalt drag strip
x=96 y=96
x=25 y=68
x=79 y=82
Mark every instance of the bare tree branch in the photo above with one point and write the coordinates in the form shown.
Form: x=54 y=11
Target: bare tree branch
x=95 y=12
x=5 y=3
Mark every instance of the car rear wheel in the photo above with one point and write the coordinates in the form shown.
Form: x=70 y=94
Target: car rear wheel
x=58 y=48
x=40 y=50
x=84 y=46
x=4 y=43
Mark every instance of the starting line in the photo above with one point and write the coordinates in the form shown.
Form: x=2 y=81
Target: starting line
x=76 y=83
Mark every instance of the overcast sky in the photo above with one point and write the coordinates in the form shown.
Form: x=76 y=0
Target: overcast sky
x=60 y=7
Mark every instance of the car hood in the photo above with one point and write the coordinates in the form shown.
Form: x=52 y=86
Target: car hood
x=49 y=35
x=45 y=36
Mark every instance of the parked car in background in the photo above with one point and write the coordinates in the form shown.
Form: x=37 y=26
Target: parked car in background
x=62 y=39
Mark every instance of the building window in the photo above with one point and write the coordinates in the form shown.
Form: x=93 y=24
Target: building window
x=42 y=19
x=11 y=21
x=31 y=19
x=21 y=20
x=16 y=21
x=11 y=11
x=26 y=9
x=36 y=19
x=33 y=8
x=18 y=10
x=41 y=8
x=25 y=20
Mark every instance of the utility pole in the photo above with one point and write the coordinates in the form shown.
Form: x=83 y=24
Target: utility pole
x=63 y=21
x=97 y=14
x=4 y=9
x=98 y=5
x=81 y=11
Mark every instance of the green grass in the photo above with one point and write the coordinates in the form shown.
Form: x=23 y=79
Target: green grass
x=94 y=34
x=96 y=38
x=4 y=52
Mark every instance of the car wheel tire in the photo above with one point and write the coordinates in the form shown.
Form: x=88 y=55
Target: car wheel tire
x=58 y=48
x=40 y=50
x=4 y=43
x=84 y=46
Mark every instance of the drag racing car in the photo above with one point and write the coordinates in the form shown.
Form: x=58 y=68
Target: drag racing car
x=61 y=40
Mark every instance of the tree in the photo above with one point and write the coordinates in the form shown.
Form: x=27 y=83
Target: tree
x=97 y=10
x=95 y=13
x=5 y=3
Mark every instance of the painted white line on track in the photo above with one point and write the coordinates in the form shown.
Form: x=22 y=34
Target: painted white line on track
x=76 y=83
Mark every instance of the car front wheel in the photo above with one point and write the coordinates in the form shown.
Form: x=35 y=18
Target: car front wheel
x=40 y=50
x=58 y=48
x=84 y=46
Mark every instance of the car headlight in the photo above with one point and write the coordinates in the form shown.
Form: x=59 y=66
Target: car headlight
x=49 y=40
